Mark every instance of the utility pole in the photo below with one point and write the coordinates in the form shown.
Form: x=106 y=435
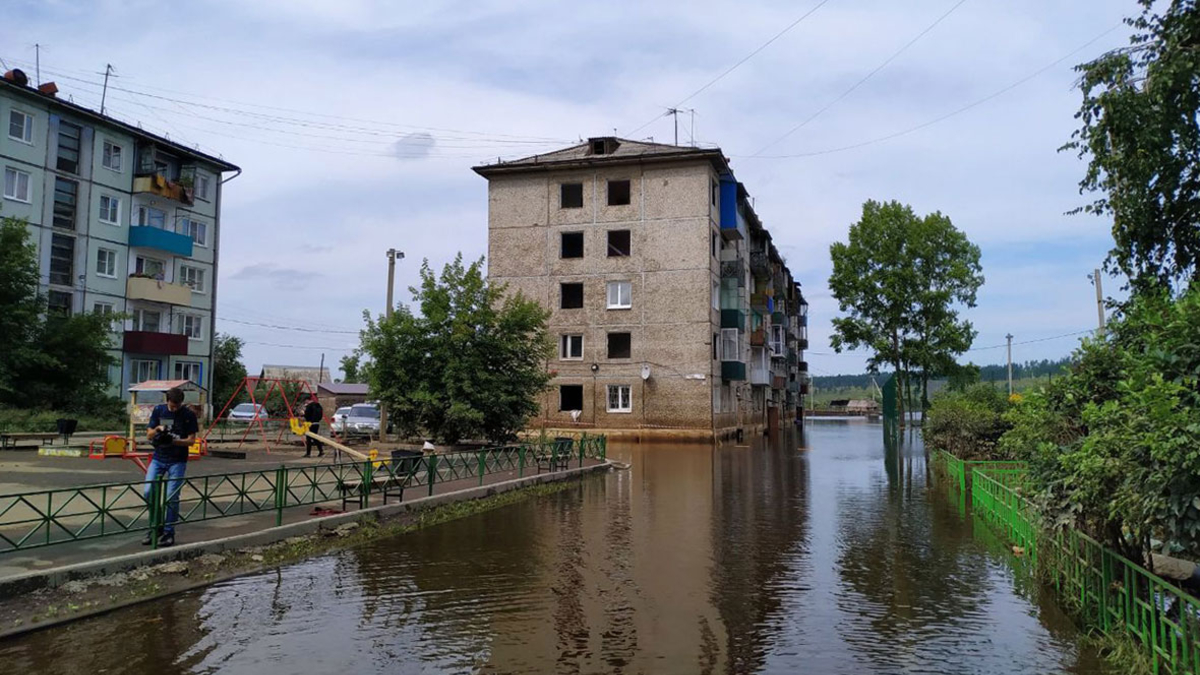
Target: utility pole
x=1099 y=302
x=104 y=93
x=1009 y=337
x=37 y=62
x=674 y=112
x=392 y=255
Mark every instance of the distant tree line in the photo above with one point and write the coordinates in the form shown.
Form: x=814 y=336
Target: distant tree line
x=992 y=373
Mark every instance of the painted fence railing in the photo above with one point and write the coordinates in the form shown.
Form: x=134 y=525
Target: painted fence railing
x=1108 y=591
x=959 y=471
x=48 y=517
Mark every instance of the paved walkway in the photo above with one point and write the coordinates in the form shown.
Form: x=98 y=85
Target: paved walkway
x=26 y=472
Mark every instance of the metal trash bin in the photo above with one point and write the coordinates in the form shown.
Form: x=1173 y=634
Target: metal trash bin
x=66 y=427
x=406 y=462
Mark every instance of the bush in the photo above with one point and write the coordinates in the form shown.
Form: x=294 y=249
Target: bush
x=17 y=420
x=1114 y=445
x=969 y=423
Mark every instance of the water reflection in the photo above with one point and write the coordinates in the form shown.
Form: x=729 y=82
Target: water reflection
x=823 y=553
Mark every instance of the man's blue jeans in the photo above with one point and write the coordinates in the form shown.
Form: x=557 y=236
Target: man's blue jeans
x=174 y=472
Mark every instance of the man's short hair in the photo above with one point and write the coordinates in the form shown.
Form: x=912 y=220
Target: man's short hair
x=175 y=395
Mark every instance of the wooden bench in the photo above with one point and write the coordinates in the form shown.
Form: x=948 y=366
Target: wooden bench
x=11 y=440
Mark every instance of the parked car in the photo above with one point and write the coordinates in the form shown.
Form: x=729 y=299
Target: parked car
x=247 y=412
x=339 y=417
x=361 y=420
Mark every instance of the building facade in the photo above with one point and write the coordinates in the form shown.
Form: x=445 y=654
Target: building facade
x=670 y=306
x=125 y=222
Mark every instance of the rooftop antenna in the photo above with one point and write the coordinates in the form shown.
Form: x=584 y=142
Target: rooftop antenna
x=37 y=62
x=693 y=132
x=104 y=94
x=674 y=112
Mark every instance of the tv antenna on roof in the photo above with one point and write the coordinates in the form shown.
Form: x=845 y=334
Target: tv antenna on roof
x=674 y=112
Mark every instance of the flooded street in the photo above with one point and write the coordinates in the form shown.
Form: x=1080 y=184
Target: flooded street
x=823 y=553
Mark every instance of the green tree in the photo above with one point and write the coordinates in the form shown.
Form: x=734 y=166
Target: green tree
x=352 y=368
x=899 y=278
x=1141 y=136
x=470 y=365
x=49 y=360
x=228 y=370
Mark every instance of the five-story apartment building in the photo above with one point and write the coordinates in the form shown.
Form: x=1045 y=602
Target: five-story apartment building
x=125 y=222
x=670 y=306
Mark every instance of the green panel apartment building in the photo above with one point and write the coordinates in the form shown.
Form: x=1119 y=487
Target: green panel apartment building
x=670 y=306
x=125 y=222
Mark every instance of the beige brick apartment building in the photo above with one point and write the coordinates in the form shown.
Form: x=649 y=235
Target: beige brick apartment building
x=670 y=306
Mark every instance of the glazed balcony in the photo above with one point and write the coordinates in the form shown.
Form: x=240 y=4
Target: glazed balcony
x=158 y=184
x=733 y=370
x=145 y=342
x=760 y=377
x=733 y=318
x=758 y=338
x=143 y=288
x=778 y=382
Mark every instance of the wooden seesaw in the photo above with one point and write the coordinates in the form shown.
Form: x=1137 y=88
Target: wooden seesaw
x=301 y=428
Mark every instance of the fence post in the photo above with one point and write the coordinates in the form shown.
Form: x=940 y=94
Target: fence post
x=604 y=448
x=521 y=461
x=364 y=498
x=158 y=504
x=280 y=495
x=431 y=476
x=582 y=448
x=481 y=466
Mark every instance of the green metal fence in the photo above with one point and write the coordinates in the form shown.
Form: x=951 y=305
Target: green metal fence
x=48 y=517
x=960 y=471
x=1108 y=591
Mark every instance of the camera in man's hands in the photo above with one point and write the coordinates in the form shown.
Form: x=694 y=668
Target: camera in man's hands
x=165 y=438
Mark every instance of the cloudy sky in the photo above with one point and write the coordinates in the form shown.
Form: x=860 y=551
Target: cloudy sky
x=356 y=123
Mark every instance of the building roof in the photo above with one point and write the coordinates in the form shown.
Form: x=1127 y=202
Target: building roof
x=52 y=100
x=615 y=151
x=313 y=376
x=344 y=388
x=164 y=385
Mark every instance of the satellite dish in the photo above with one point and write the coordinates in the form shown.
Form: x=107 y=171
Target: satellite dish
x=645 y=371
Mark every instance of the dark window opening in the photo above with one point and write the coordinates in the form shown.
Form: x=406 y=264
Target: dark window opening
x=715 y=189
x=572 y=245
x=619 y=243
x=69 y=136
x=619 y=345
x=618 y=192
x=570 y=397
x=714 y=344
x=713 y=243
x=65 y=198
x=62 y=260
x=571 y=196
x=59 y=302
x=572 y=296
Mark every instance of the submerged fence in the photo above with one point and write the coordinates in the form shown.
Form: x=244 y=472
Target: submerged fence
x=1108 y=591
x=48 y=517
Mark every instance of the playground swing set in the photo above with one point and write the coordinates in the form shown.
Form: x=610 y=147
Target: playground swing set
x=126 y=447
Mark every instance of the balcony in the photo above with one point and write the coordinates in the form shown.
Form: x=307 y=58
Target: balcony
x=161 y=240
x=777 y=317
x=165 y=344
x=733 y=370
x=803 y=366
x=760 y=377
x=758 y=338
x=158 y=184
x=760 y=301
x=732 y=269
x=733 y=318
x=733 y=225
x=141 y=288
x=794 y=387
x=778 y=382
x=760 y=265
x=802 y=344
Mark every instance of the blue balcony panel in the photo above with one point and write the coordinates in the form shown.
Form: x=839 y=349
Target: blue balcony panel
x=161 y=240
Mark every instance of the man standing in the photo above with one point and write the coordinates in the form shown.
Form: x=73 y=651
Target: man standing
x=173 y=429
x=313 y=413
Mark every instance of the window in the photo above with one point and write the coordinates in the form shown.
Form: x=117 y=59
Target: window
x=69 y=136
x=62 y=260
x=20 y=126
x=620 y=398
x=618 y=192
x=195 y=229
x=106 y=263
x=620 y=294
x=110 y=210
x=571 y=196
x=202 y=186
x=60 y=302
x=103 y=308
x=714 y=346
x=112 y=156
x=16 y=185
x=714 y=189
x=151 y=217
x=713 y=243
x=150 y=267
x=147 y=320
x=570 y=348
x=571 y=296
x=618 y=243
x=143 y=371
x=619 y=345
x=777 y=341
x=192 y=276
x=570 y=397
x=65 y=195
x=716 y=295
x=571 y=245
x=729 y=345
x=188 y=370
x=192 y=326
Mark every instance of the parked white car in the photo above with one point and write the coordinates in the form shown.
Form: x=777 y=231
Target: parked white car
x=247 y=412
x=339 y=417
x=361 y=420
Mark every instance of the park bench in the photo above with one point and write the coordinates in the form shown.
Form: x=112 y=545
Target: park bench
x=555 y=456
x=12 y=439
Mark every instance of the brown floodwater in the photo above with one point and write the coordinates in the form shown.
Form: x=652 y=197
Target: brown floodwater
x=824 y=552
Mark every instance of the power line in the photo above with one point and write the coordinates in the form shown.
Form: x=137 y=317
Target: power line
x=272 y=344
x=291 y=328
x=736 y=65
x=866 y=77
x=973 y=349
x=946 y=116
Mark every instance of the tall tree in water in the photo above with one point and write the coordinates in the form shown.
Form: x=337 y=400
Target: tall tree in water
x=1141 y=134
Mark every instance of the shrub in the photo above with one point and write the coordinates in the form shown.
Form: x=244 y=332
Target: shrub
x=969 y=423
x=18 y=420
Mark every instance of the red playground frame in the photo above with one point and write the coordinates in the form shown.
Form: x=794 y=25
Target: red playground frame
x=252 y=386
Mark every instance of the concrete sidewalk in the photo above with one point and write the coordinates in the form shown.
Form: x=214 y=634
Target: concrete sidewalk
x=26 y=472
